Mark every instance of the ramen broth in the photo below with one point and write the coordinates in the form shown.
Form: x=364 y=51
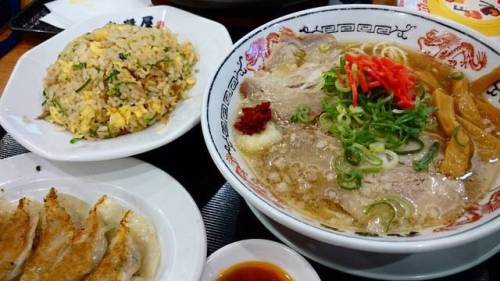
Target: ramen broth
x=297 y=159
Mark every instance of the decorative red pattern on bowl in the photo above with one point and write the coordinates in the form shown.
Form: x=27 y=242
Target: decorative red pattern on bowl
x=452 y=50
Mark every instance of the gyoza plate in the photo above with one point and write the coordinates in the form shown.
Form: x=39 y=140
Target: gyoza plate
x=136 y=185
x=21 y=101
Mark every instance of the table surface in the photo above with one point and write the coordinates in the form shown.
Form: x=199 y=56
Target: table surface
x=208 y=179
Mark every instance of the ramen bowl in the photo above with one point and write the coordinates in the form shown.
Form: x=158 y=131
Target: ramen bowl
x=461 y=48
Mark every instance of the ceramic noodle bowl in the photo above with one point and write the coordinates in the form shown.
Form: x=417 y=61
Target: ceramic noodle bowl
x=461 y=48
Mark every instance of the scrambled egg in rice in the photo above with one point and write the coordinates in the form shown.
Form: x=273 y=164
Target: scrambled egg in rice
x=116 y=80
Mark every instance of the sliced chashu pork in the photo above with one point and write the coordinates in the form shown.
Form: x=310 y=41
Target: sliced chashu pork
x=294 y=48
x=85 y=251
x=292 y=74
x=287 y=89
x=56 y=232
x=303 y=159
x=16 y=238
x=122 y=259
x=434 y=197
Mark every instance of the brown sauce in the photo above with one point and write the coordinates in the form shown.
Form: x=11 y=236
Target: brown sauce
x=254 y=271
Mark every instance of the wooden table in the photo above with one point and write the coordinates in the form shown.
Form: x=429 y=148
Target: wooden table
x=8 y=61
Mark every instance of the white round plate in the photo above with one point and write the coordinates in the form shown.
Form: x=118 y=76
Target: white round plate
x=20 y=103
x=137 y=185
x=419 y=266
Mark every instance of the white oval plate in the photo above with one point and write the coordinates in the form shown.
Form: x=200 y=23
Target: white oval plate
x=384 y=266
x=21 y=101
x=137 y=185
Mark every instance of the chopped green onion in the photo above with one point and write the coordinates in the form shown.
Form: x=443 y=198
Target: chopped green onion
x=60 y=108
x=114 y=90
x=342 y=88
x=74 y=140
x=329 y=81
x=342 y=62
x=369 y=169
x=110 y=132
x=44 y=102
x=390 y=209
x=93 y=132
x=405 y=208
x=341 y=165
x=356 y=113
x=349 y=177
x=123 y=56
x=352 y=155
x=301 y=115
x=389 y=158
x=150 y=120
x=420 y=146
x=377 y=147
x=457 y=75
x=341 y=109
x=423 y=164
x=344 y=118
x=455 y=136
x=376 y=120
x=367 y=155
x=79 y=66
x=350 y=180
x=324 y=47
x=83 y=86
x=112 y=76
x=166 y=49
x=325 y=122
x=355 y=110
x=384 y=213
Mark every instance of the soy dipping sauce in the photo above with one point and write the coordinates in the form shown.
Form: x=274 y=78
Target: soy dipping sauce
x=254 y=271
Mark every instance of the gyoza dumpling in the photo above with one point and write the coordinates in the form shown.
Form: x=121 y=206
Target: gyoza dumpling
x=122 y=259
x=143 y=233
x=57 y=231
x=85 y=251
x=5 y=211
x=16 y=238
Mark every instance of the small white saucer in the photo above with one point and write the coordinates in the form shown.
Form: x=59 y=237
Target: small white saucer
x=420 y=266
x=261 y=250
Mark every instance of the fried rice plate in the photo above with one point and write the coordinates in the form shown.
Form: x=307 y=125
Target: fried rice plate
x=116 y=80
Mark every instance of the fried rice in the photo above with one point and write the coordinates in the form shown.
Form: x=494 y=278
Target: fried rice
x=116 y=80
